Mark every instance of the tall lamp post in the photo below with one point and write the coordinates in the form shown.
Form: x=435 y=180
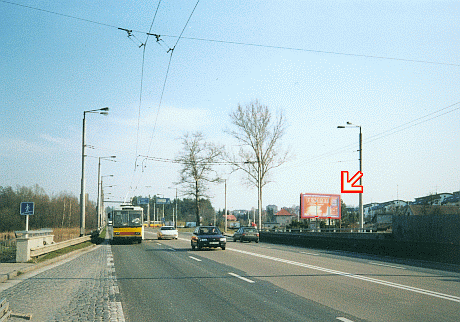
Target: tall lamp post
x=101 y=204
x=175 y=201
x=99 y=188
x=103 y=111
x=361 y=218
x=225 y=205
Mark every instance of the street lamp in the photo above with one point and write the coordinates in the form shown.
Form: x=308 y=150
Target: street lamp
x=103 y=195
x=99 y=188
x=103 y=111
x=175 y=201
x=361 y=218
x=225 y=205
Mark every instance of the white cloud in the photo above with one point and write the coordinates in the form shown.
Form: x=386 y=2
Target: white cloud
x=56 y=140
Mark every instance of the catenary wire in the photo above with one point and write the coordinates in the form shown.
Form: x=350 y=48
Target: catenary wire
x=243 y=43
x=144 y=45
x=388 y=132
x=166 y=77
x=171 y=50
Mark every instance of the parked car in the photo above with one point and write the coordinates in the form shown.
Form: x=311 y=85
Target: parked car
x=208 y=236
x=167 y=232
x=246 y=234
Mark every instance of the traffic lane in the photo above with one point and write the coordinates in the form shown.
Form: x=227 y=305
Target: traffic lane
x=150 y=233
x=419 y=277
x=432 y=279
x=327 y=282
x=168 y=281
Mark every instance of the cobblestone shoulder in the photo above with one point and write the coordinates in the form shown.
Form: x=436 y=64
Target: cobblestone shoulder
x=82 y=289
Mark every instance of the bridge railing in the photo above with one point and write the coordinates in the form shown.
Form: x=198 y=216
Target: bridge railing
x=34 y=243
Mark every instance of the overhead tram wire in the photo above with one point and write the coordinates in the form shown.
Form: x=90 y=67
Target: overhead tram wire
x=238 y=42
x=407 y=125
x=144 y=45
x=388 y=132
x=171 y=50
x=317 y=51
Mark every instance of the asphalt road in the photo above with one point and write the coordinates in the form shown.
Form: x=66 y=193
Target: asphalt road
x=166 y=280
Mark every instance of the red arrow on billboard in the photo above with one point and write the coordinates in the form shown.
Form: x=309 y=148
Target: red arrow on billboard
x=349 y=185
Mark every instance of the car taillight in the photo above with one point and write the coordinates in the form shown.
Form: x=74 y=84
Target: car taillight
x=257 y=234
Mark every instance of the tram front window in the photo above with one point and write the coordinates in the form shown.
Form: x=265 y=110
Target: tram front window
x=126 y=218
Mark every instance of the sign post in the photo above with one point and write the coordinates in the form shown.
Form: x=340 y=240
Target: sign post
x=27 y=208
x=145 y=201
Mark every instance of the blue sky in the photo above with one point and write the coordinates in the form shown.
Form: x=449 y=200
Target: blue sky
x=392 y=67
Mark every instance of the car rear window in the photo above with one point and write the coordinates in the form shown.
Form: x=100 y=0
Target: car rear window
x=208 y=231
x=167 y=228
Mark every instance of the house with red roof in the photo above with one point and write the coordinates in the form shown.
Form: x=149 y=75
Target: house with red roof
x=284 y=217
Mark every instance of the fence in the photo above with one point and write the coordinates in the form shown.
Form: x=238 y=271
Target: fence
x=319 y=230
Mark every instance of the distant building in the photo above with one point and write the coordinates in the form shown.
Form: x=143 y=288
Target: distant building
x=453 y=200
x=424 y=210
x=385 y=208
x=436 y=199
x=284 y=217
x=231 y=218
x=382 y=214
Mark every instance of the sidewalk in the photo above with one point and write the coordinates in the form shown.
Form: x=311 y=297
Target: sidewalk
x=9 y=271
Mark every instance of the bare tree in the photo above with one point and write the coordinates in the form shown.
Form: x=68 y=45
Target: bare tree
x=258 y=134
x=197 y=158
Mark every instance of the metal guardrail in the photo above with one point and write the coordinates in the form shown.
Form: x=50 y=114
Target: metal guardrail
x=56 y=246
x=33 y=233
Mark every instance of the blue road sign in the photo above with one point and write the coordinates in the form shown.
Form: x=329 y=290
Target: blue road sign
x=27 y=208
x=162 y=201
x=143 y=201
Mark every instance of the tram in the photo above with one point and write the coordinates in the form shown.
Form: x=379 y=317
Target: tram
x=127 y=224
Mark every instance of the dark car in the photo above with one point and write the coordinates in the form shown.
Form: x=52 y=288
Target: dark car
x=246 y=234
x=208 y=236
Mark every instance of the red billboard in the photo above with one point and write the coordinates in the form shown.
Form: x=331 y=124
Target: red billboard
x=315 y=205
